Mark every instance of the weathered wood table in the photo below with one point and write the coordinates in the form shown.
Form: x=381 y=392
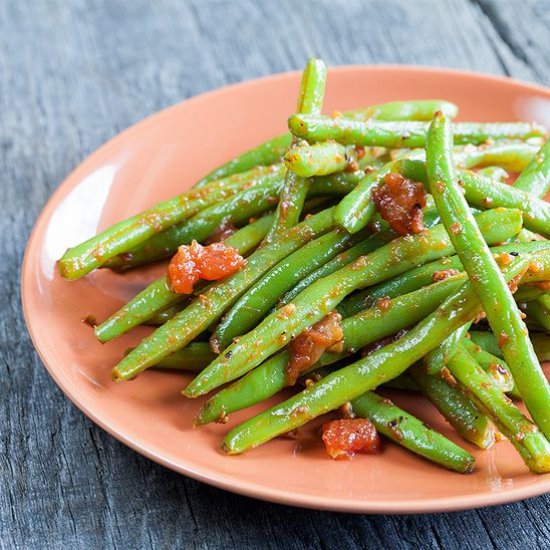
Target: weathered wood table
x=73 y=74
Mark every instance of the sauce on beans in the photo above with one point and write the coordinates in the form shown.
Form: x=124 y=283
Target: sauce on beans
x=194 y=262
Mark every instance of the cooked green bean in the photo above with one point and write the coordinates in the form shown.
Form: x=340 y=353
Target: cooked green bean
x=318 y=159
x=402 y=134
x=359 y=331
x=535 y=179
x=456 y=408
x=366 y=374
x=208 y=308
x=157 y=296
x=278 y=328
x=437 y=358
x=531 y=444
x=539 y=313
x=495 y=367
x=489 y=343
x=409 y=432
x=509 y=156
x=494 y=173
x=422 y=109
x=486 y=278
x=192 y=358
x=295 y=188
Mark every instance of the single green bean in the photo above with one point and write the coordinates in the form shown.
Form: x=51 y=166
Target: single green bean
x=455 y=407
x=295 y=188
x=539 y=313
x=409 y=432
x=520 y=431
x=208 y=308
x=494 y=173
x=278 y=328
x=509 y=156
x=157 y=296
x=495 y=367
x=360 y=330
x=364 y=375
x=318 y=159
x=402 y=134
x=489 y=343
x=535 y=179
x=496 y=297
x=422 y=109
x=193 y=358
x=437 y=358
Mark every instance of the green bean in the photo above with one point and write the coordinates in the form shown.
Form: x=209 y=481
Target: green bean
x=520 y=431
x=494 y=173
x=402 y=134
x=495 y=367
x=539 y=313
x=497 y=299
x=535 y=179
x=424 y=275
x=437 y=358
x=278 y=328
x=318 y=159
x=269 y=152
x=164 y=315
x=157 y=296
x=422 y=109
x=210 y=305
x=489 y=343
x=295 y=188
x=544 y=299
x=360 y=330
x=409 y=432
x=260 y=298
x=509 y=156
x=129 y=233
x=364 y=375
x=455 y=407
x=193 y=358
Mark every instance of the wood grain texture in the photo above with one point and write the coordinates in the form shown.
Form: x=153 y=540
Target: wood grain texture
x=73 y=74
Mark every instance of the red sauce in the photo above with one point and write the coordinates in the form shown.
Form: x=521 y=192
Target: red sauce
x=308 y=346
x=194 y=262
x=400 y=202
x=443 y=274
x=343 y=438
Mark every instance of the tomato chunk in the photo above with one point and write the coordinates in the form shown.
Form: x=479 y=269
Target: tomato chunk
x=194 y=262
x=400 y=202
x=308 y=346
x=343 y=438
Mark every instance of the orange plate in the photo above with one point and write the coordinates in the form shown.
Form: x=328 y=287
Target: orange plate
x=162 y=156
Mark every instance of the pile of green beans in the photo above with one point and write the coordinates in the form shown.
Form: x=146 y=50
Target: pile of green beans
x=443 y=312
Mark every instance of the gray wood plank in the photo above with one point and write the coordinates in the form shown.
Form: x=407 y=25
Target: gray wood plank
x=73 y=74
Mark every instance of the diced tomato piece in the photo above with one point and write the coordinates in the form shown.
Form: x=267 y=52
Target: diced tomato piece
x=308 y=346
x=400 y=202
x=343 y=438
x=194 y=262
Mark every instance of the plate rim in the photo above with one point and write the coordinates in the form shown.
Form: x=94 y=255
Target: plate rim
x=218 y=479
